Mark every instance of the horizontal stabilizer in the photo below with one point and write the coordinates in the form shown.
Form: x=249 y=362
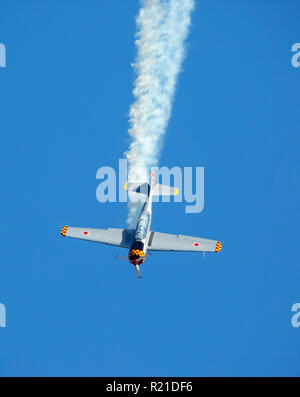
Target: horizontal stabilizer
x=141 y=188
x=164 y=190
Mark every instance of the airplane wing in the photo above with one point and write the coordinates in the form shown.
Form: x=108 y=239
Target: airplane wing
x=177 y=242
x=118 y=237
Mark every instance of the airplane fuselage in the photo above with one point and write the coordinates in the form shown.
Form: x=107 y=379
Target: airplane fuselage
x=138 y=249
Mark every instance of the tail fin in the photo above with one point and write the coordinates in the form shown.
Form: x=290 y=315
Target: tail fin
x=143 y=188
x=164 y=190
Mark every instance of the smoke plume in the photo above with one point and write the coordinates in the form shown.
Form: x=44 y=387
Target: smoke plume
x=162 y=27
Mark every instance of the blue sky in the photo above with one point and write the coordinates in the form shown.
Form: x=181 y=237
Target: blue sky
x=73 y=309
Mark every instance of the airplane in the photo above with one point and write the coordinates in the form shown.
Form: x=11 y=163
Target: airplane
x=141 y=239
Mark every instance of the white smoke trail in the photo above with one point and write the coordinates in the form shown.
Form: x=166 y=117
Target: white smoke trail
x=162 y=26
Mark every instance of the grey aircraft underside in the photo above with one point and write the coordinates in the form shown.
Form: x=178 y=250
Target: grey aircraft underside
x=141 y=239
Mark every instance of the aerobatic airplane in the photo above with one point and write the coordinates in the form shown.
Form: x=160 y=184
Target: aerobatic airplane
x=142 y=239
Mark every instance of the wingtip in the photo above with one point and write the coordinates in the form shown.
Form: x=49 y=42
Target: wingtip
x=64 y=230
x=218 y=246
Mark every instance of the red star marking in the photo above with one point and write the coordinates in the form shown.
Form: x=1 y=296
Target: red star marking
x=85 y=233
x=196 y=244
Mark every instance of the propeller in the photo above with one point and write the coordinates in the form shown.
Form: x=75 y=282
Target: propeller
x=137 y=267
x=122 y=257
x=138 y=272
